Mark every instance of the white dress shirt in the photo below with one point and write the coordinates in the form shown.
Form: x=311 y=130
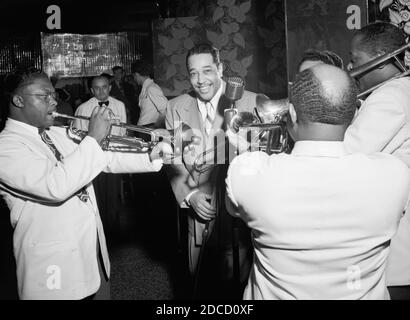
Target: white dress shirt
x=86 y=109
x=152 y=102
x=214 y=101
x=55 y=233
x=321 y=220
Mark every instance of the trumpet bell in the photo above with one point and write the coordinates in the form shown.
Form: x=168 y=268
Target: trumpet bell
x=242 y=120
x=271 y=111
x=264 y=129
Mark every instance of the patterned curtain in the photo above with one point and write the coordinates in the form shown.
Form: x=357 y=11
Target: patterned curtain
x=250 y=35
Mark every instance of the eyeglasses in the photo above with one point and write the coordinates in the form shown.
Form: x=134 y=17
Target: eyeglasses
x=46 y=96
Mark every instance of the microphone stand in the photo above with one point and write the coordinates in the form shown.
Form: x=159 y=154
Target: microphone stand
x=205 y=236
x=233 y=92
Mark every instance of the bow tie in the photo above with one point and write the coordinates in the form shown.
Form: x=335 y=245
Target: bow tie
x=101 y=103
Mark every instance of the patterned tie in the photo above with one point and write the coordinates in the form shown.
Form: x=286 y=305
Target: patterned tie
x=46 y=139
x=209 y=117
x=83 y=193
x=101 y=103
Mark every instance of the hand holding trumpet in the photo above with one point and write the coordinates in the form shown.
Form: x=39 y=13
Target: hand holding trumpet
x=100 y=123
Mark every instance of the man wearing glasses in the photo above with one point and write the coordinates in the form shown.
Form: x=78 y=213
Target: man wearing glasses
x=45 y=179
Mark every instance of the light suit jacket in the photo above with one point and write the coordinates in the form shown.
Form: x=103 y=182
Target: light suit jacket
x=383 y=125
x=183 y=178
x=55 y=233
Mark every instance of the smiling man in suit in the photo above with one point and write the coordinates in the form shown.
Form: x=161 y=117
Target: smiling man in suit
x=203 y=110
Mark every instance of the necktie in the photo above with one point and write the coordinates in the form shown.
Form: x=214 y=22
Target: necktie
x=209 y=117
x=46 y=139
x=83 y=193
x=101 y=103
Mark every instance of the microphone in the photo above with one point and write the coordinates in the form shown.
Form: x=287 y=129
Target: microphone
x=233 y=92
x=234 y=88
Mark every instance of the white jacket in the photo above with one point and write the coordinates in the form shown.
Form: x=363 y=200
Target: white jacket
x=55 y=232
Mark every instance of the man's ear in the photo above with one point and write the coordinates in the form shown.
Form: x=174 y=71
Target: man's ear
x=109 y=88
x=291 y=123
x=17 y=101
x=292 y=113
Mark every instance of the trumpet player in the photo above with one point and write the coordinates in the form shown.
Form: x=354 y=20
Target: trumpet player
x=45 y=179
x=383 y=124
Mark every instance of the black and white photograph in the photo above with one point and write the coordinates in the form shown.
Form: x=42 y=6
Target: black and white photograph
x=204 y=155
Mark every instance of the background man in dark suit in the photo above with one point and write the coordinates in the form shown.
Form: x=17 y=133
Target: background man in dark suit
x=125 y=92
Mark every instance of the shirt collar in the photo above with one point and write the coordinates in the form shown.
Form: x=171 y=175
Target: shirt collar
x=23 y=125
x=319 y=148
x=146 y=83
x=96 y=100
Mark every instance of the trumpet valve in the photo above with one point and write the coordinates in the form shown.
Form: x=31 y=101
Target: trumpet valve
x=241 y=120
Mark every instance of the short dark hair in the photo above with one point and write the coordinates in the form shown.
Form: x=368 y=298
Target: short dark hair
x=143 y=68
x=105 y=75
x=20 y=78
x=314 y=103
x=101 y=76
x=326 y=56
x=204 y=48
x=380 y=37
x=117 y=68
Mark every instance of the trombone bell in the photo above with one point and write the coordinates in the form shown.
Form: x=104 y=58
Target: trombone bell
x=263 y=129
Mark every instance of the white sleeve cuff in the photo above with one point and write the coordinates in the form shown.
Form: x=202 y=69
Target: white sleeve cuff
x=157 y=164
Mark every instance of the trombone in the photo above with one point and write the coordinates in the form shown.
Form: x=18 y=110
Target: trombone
x=179 y=138
x=270 y=115
x=367 y=67
x=268 y=121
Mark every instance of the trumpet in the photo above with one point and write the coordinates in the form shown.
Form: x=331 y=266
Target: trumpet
x=179 y=138
x=267 y=121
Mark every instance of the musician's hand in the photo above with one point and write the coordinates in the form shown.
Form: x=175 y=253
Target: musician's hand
x=161 y=151
x=99 y=124
x=201 y=203
x=114 y=119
